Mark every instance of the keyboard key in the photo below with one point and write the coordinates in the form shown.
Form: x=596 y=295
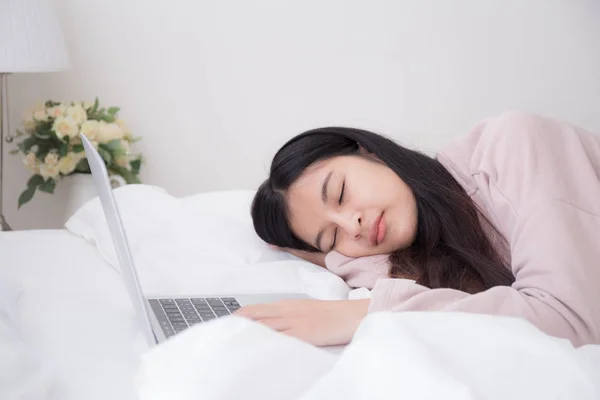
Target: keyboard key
x=176 y=319
x=170 y=306
x=233 y=308
x=198 y=301
x=208 y=317
x=214 y=302
x=183 y=301
x=178 y=323
x=228 y=299
x=166 y=301
x=222 y=313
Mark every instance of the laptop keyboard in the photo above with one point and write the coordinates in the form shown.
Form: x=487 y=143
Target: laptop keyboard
x=176 y=315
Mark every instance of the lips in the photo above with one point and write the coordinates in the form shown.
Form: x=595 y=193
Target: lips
x=377 y=231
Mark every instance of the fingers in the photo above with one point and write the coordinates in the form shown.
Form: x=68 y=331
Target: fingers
x=258 y=311
x=277 y=324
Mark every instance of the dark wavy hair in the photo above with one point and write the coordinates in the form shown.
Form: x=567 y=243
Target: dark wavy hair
x=451 y=248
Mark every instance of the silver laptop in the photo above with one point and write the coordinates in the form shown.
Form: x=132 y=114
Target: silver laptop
x=161 y=317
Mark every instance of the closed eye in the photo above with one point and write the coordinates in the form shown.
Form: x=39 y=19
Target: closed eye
x=340 y=203
x=334 y=239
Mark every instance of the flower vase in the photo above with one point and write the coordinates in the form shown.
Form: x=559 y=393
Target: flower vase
x=79 y=188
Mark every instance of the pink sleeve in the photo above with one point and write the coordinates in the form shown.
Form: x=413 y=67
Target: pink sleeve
x=540 y=178
x=358 y=272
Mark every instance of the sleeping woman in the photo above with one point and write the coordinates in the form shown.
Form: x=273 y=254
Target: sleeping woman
x=506 y=221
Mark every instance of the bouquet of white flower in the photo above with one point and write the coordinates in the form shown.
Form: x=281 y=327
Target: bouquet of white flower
x=52 y=148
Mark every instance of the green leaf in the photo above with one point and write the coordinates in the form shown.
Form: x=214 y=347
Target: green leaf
x=28 y=144
x=26 y=196
x=35 y=181
x=95 y=106
x=43 y=150
x=113 y=145
x=112 y=111
x=105 y=155
x=52 y=103
x=136 y=165
x=63 y=149
x=78 y=148
x=107 y=118
x=129 y=176
x=19 y=133
x=83 y=166
x=48 y=186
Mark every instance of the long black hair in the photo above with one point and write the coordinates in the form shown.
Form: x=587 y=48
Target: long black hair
x=451 y=248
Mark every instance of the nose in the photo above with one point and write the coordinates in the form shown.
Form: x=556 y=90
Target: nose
x=351 y=224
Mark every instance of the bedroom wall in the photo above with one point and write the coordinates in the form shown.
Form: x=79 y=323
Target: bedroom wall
x=214 y=87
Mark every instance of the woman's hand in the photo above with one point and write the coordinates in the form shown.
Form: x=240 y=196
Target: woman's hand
x=319 y=322
x=315 y=258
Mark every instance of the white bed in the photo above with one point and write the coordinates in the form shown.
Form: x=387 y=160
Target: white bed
x=74 y=317
x=74 y=311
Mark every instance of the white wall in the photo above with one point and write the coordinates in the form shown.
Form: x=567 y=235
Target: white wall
x=215 y=87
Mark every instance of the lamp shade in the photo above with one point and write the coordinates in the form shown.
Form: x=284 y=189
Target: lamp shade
x=31 y=39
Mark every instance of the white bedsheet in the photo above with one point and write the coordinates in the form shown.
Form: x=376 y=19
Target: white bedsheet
x=393 y=356
x=76 y=315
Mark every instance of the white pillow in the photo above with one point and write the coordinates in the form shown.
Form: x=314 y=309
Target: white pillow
x=201 y=244
x=22 y=375
x=218 y=223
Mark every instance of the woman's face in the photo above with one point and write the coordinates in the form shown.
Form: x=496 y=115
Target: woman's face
x=355 y=205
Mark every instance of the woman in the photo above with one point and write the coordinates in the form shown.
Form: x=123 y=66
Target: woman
x=505 y=222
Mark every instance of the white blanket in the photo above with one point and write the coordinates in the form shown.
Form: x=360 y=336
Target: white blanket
x=408 y=355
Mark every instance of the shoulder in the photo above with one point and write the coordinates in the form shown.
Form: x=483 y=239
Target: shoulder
x=506 y=144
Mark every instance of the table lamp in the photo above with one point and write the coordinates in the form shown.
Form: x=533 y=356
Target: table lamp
x=31 y=40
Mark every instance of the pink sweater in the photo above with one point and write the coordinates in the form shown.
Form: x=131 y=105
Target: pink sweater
x=538 y=180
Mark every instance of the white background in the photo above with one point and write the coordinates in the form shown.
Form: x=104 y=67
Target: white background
x=215 y=86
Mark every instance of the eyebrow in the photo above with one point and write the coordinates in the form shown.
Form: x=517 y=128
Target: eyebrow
x=325 y=184
x=324 y=197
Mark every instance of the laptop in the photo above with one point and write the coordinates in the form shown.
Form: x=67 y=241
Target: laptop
x=161 y=317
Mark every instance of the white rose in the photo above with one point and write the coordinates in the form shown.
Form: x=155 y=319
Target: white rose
x=65 y=126
x=29 y=126
x=56 y=111
x=40 y=115
x=30 y=161
x=125 y=146
x=123 y=161
x=51 y=159
x=90 y=129
x=109 y=132
x=67 y=164
x=49 y=171
x=78 y=113
x=28 y=121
